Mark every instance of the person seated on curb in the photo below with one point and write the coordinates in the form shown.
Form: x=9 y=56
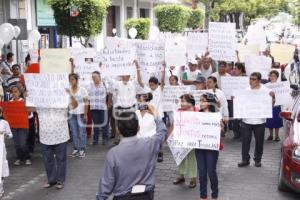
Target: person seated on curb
x=129 y=168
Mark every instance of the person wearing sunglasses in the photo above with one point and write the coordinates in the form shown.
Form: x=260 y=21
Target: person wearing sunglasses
x=255 y=126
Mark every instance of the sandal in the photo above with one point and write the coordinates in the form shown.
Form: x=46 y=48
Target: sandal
x=49 y=185
x=178 y=181
x=270 y=138
x=192 y=184
x=59 y=186
x=277 y=139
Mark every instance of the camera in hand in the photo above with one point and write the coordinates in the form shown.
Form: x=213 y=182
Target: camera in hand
x=143 y=106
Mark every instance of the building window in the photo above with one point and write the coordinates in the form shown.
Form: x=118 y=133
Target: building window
x=144 y=13
x=129 y=12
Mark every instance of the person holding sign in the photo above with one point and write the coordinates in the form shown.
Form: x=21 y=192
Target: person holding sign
x=78 y=115
x=207 y=159
x=255 y=126
x=275 y=123
x=98 y=93
x=222 y=71
x=188 y=166
x=20 y=134
x=4 y=132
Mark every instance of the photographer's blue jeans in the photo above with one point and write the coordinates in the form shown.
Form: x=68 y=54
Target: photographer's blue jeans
x=100 y=122
x=78 y=129
x=207 y=165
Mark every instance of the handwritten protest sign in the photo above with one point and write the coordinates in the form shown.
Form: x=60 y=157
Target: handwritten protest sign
x=175 y=52
x=15 y=113
x=257 y=35
x=222 y=41
x=197 y=44
x=178 y=153
x=252 y=104
x=55 y=61
x=171 y=95
x=117 y=62
x=197 y=130
x=282 y=53
x=260 y=64
x=83 y=56
x=246 y=50
x=47 y=90
x=233 y=83
x=282 y=92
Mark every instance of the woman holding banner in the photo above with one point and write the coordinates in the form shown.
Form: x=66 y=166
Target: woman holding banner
x=207 y=159
x=275 y=123
x=188 y=166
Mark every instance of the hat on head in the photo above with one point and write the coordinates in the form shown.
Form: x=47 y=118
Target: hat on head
x=200 y=79
x=193 y=61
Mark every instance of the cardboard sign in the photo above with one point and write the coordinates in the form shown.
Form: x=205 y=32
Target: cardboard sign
x=222 y=41
x=260 y=64
x=117 y=62
x=252 y=104
x=247 y=50
x=178 y=153
x=257 y=36
x=233 y=83
x=282 y=92
x=15 y=113
x=282 y=53
x=55 y=61
x=197 y=44
x=47 y=90
x=197 y=130
x=83 y=56
x=171 y=96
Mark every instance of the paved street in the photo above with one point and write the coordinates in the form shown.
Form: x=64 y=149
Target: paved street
x=25 y=183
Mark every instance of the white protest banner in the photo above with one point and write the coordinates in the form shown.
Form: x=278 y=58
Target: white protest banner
x=175 y=52
x=55 y=61
x=171 y=95
x=257 y=35
x=117 y=62
x=34 y=55
x=197 y=44
x=83 y=56
x=246 y=50
x=85 y=71
x=260 y=64
x=178 y=153
x=233 y=83
x=222 y=41
x=252 y=104
x=47 y=90
x=282 y=53
x=282 y=92
x=197 y=130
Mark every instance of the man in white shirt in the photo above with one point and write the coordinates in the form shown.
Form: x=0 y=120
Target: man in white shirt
x=256 y=125
x=206 y=66
x=191 y=75
x=221 y=72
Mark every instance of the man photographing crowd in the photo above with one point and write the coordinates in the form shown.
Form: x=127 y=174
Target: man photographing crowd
x=128 y=172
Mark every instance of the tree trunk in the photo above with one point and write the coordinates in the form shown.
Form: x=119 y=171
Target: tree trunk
x=237 y=20
x=207 y=13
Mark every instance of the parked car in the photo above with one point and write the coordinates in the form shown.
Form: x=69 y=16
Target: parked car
x=289 y=168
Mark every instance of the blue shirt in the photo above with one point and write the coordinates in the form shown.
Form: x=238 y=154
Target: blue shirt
x=131 y=163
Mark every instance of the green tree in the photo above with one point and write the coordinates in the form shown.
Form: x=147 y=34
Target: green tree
x=172 y=17
x=196 y=19
x=142 y=26
x=88 y=21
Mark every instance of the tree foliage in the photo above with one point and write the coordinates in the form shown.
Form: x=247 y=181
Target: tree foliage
x=142 y=26
x=88 y=22
x=172 y=17
x=196 y=19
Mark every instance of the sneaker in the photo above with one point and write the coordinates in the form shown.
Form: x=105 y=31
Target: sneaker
x=17 y=162
x=27 y=162
x=75 y=153
x=243 y=164
x=81 y=154
x=257 y=164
